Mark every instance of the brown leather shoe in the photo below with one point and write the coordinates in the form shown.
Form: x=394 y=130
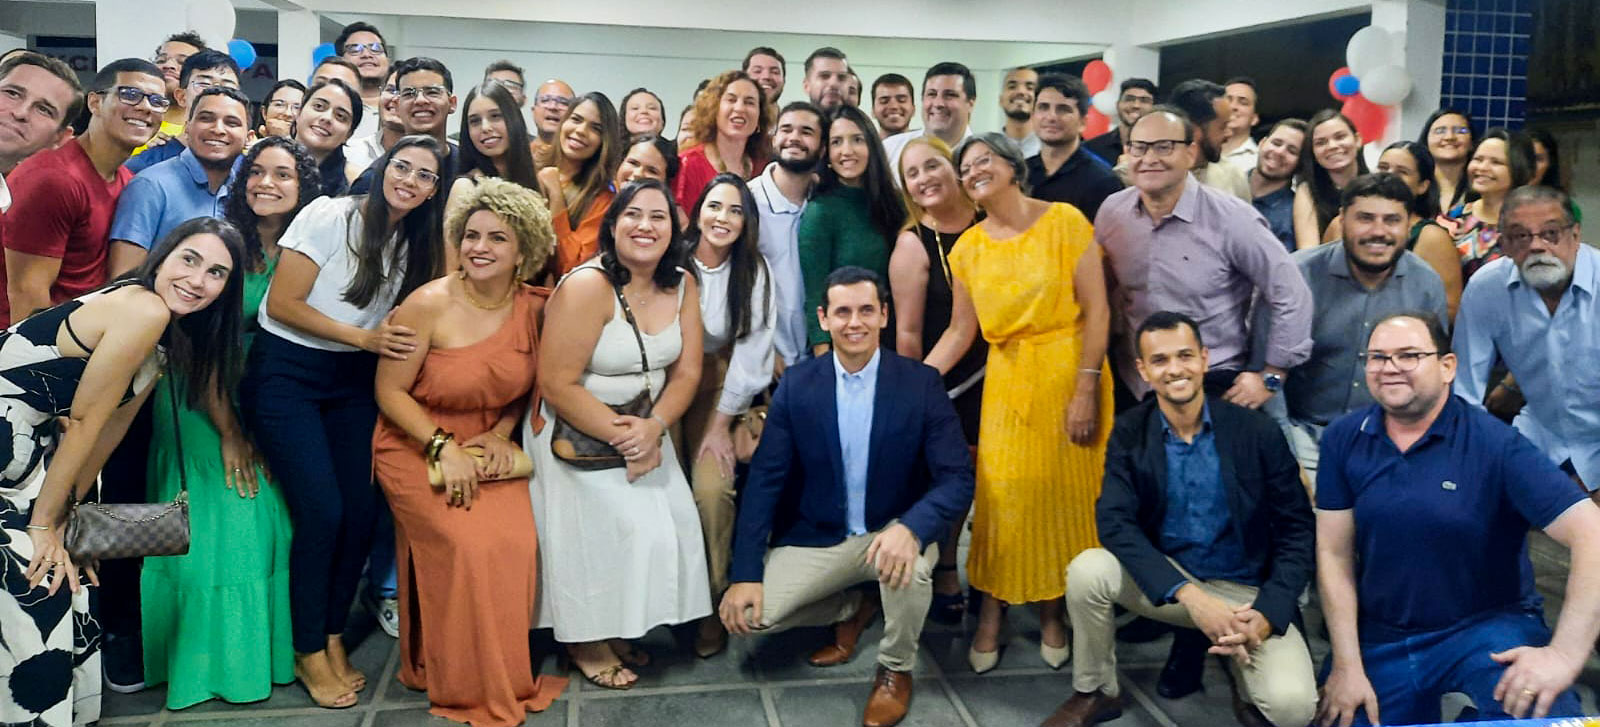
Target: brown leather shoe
x=1085 y=708
x=891 y=697
x=845 y=635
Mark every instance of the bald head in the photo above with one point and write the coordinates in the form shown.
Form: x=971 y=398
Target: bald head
x=550 y=104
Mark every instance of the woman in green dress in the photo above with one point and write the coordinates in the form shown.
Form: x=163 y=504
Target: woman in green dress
x=216 y=621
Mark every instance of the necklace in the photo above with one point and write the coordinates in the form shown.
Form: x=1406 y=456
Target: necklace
x=473 y=299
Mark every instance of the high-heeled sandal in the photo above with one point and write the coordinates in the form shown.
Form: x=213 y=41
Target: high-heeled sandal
x=947 y=608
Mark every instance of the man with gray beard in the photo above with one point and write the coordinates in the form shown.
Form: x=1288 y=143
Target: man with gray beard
x=1536 y=309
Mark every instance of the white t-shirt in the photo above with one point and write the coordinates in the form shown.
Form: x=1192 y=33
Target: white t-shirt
x=326 y=231
x=750 y=365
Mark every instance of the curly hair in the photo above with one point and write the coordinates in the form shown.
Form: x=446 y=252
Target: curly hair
x=707 y=103
x=238 y=208
x=521 y=209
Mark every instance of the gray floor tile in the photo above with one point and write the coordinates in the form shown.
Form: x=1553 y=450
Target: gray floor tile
x=332 y=719
x=673 y=662
x=149 y=701
x=782 y=656
x=556 y=716
x=842 y=704
x=738 y=708
x=1211 y=705
x=290 y=696
x=999 y=700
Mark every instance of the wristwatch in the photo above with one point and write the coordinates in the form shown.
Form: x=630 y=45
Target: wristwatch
x=1274 y=382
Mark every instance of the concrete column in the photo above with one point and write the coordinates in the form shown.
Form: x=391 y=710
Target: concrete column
x=1419 y=26
x=299 y=31
x=133 y=30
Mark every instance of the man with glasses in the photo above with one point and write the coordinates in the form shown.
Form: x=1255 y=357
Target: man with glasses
x=201 y=71
x=1138 y=95
x=1536 y=310
x=510 y=75
x=424 y=100
x=363 y=45
x=1354 y=282
x=63 y=198
x=1423 y=511
x=549 y=108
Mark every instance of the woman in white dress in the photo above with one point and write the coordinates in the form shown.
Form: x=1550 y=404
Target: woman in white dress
x=621 y=548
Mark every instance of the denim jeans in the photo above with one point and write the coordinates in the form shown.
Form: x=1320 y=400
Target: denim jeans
x=1410 y=675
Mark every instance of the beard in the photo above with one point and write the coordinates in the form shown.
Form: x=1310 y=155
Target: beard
x=1212 y=151
x=1384 y=266
x=799 y=166
x=1018 y=114
x=1545 y=272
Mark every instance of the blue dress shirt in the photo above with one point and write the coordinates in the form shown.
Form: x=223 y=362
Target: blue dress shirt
x=854 y=394
x=163 y=197
x=1197 y=530
x=1552 y=356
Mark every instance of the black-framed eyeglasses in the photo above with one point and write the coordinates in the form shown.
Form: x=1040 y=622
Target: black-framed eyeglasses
x=432 y=93
x=132 y=96
x=351 y=49
x=1162 y=147
x=1522 y=238
x=1403 y=361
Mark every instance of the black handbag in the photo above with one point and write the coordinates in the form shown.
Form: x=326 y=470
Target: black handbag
x=581 y=451
x=98 y=531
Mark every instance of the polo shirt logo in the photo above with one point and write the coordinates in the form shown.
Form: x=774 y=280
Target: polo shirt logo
x=1448 y=485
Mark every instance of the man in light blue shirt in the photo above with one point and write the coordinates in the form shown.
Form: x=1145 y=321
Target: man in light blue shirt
x=853 y=393
x=1536 y=310
x=194 y=184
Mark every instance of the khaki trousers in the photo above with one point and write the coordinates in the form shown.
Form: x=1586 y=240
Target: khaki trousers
x=1278 y=680
x=807 y=587
x=713 y=492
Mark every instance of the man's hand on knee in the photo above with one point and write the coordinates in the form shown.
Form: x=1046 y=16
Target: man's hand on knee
x=1533 y=678
x=741 y=608
x=894 y=553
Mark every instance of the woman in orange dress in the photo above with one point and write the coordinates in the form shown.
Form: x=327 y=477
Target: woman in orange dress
x=575 y=175
x=467 y=551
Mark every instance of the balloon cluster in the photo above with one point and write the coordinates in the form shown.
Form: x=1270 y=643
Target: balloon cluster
x=1373 y=78
x=1103 y=100
x=214 y=21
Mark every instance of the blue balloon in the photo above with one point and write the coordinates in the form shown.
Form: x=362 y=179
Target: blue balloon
x=321 y=53
x=1347 y=85
x=243 y=53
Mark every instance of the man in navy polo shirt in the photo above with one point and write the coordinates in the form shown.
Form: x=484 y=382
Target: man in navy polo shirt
x=1423 y=508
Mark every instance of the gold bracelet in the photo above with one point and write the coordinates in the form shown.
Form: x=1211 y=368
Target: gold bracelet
x=39 y=527
x=436 y=444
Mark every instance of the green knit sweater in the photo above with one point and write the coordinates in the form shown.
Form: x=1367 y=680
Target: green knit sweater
x=836 y=230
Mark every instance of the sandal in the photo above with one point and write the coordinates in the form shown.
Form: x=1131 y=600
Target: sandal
x=610 y=675
x=631 y=655
x=345 y=700
x=947 y=608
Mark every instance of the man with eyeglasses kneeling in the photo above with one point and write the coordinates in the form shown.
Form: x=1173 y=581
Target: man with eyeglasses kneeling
x=1424 y=503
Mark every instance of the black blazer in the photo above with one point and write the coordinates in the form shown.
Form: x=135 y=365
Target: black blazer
x=1271 y=511
x=918 y=467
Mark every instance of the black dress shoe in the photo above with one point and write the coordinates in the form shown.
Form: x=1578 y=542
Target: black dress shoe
x=1186 y=664
x=1142 y=630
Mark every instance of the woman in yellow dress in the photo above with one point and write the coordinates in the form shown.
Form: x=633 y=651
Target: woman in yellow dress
x=1034 y=274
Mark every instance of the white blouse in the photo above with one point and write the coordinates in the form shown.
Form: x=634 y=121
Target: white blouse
x=326 y=231
x=750 y=366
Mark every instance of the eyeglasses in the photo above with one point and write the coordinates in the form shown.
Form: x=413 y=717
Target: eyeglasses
x=552 y=99
x=1521 y=238
x=982 y=162
x=132 y=96
x=1162 y=147
x=199 y=84
x=509 y=84
x=1403 y=361
x=279 y=105
x=401 y=169
x=351 y=49
x=1136 y=98
x=1459 y=130
x=432 y=93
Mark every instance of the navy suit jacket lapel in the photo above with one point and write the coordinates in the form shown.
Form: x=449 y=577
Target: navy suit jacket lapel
x=828 y=388
x=882 y=401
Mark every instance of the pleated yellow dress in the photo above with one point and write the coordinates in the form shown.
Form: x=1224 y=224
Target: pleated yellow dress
x=1034 y=506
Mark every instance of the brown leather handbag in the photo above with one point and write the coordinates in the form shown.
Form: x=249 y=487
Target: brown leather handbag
x=581 y=451
x=97 y=531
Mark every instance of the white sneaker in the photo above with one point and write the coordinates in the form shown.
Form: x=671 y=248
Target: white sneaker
x=387 y=612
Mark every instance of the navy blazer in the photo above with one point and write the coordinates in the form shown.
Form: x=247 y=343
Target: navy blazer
x=918 y=466
x=1271 y=512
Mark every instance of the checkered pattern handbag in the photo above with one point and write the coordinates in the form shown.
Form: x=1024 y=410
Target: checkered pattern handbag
x=97 y=531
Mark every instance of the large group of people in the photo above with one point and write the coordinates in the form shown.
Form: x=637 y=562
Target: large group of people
x=559 y=372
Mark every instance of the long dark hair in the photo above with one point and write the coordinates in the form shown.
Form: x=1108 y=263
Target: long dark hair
x=595 y=174
x=883 y=200
x=203 y=347
x=421 y=234
x=1425 y=205
x=1552 y=173
x=238 y=211
x=518 y=156
x=669 y=269
x=1324 y=193
x=746 y=261
x=1461 y=179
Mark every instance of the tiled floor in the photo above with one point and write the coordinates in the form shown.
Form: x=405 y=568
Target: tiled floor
x=765 y=682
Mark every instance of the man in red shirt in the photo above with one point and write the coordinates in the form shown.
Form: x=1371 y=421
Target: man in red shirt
x=55 y=235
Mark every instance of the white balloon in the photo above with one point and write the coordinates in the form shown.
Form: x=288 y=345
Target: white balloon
x=1386 y=85
x=1106 y=102
x=213 y=20
x=1111 y=60
x=1368 y=49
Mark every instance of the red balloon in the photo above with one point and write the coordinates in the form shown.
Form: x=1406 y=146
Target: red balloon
x=1371 y=120
x=1096 y=75
x=1333 y=81
x=1095 y=124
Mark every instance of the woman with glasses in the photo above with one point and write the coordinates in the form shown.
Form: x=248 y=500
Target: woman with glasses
x=1448 y=136
x=330 y=114
x=575 y=175
x=308 y=390
x=282 y=105
x=1034 y=273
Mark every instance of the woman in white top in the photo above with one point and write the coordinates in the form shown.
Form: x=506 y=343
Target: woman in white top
x=308 y=389
x=620 y=549
x=737 y=310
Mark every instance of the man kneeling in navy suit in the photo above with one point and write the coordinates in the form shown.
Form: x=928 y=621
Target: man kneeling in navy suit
x=862 y=467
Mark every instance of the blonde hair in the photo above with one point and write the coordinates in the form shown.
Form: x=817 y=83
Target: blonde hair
x=914 y=211
x=521 y=209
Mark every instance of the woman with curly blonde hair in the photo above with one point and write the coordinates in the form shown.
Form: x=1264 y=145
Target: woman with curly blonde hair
x=467 y=548
x=729 y=123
